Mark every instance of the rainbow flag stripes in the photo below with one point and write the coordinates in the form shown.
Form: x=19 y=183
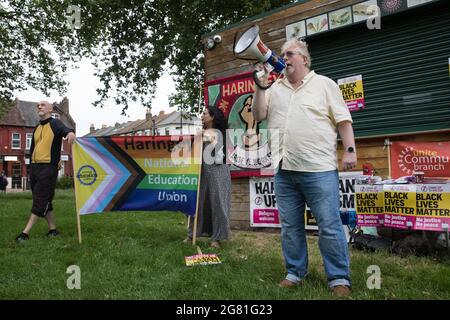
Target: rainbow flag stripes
x=136 y=173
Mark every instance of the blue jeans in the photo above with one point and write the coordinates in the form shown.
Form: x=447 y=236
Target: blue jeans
x=320 y=190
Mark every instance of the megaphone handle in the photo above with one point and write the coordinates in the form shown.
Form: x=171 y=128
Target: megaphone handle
x=268 y=67
x=256 y=79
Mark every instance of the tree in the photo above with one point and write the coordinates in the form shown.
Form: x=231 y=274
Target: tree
x=31 y=35
x=130 y=43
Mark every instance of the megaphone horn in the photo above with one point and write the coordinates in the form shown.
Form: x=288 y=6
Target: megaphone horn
x=250 y=43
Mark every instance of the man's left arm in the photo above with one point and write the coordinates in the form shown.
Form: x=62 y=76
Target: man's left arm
x=349 y=159
x=64 y=131
x=343 y=122
x=70 y=137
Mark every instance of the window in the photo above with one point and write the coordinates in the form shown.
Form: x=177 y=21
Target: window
x=16 y=170
x=61 y=170
x=28 y=142
x=15 y=142
x=167 y=132
x=16 y=175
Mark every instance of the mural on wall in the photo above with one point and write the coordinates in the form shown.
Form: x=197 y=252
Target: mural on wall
x=391 y=6
x=362 y=11
x=317 y=24
x=348 y=15
x=296 y=30
x=340 y=18
x=247 y=140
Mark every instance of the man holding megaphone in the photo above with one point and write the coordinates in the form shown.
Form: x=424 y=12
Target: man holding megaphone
x=305 y=111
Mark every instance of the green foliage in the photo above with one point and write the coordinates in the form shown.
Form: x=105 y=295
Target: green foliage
x=35 y=46
x=64 y=183
x=140 y=255
x=130 y=42
x=4 y=107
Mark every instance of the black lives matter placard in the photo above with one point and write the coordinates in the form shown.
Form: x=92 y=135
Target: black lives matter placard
x=369 y=205
x=399 y=205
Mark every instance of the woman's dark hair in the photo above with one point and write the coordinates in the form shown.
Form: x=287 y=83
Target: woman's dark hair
x=219 y=120
x=220 y=123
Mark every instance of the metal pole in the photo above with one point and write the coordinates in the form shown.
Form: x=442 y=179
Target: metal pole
x=181 y=115
x=446 y=238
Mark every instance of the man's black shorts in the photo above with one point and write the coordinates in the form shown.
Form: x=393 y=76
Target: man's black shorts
x=43 y=178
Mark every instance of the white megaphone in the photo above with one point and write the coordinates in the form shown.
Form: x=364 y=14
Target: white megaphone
x=249 y=43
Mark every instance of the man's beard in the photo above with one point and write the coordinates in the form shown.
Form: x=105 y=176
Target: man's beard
x=289 y=69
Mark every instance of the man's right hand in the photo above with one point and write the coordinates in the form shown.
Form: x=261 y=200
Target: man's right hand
x=262 y=74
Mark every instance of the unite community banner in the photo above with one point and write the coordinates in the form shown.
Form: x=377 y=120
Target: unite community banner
x=131 y=173
x=431 y=158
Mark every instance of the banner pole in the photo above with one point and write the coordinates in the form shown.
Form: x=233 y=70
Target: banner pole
x=388 y=144
x=194 y=230
x=79 y=227
x=76 y=205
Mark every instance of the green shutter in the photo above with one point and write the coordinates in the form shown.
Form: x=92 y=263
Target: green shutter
x=404 y=65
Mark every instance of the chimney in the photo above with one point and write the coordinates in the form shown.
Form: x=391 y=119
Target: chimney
x=148 y=114
x=92 y=128
x=161 y=113
x=104 y=126
x=64 y=106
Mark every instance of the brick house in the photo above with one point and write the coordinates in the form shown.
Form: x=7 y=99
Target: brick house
x=16 y=131
x=173 y=123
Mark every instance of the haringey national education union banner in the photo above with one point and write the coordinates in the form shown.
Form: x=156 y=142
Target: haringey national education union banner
x=136 y=173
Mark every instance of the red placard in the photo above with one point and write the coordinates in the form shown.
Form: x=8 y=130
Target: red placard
x=432 y=158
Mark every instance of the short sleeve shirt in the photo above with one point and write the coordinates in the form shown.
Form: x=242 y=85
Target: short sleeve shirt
x=303 y=122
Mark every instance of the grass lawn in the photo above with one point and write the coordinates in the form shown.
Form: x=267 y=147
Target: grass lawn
x=140 y=255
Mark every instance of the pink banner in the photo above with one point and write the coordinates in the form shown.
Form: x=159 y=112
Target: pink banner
x=263 y=216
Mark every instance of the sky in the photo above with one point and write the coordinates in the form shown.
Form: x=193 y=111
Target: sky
x=81 y=94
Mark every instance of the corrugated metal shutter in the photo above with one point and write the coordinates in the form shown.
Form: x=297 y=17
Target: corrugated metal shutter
x=404 y=67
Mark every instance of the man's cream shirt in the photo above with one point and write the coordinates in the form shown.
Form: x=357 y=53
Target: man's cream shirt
x=303 y=122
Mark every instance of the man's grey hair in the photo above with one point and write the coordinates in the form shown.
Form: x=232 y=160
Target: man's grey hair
x=47 y=103
x=302 y=48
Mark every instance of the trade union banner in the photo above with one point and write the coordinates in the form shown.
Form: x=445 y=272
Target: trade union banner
x=136 y=173
x=264 y=209
x=431 y=158
x=247 y=141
